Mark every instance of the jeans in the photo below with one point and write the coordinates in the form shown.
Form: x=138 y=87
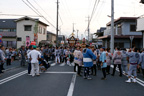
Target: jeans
x=94 y=69
x=29 y=68
x=23 y=61
x=79 y=69
x=0 y=69
x=108 y=69
x=8 y=61
x=104 y=72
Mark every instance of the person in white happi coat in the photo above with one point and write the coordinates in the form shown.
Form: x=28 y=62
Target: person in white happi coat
x=108 y=60
x=34 y=55
x=78 y=56
x=57 y=55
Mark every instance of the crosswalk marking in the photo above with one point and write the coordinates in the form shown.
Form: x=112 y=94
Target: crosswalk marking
x=61 y=65
x=53 y=64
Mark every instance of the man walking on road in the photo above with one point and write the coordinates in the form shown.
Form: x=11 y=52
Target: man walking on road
x=103 y=63
x=134 y=60
x=34 y=55
x=29 y=62
x=88 y=58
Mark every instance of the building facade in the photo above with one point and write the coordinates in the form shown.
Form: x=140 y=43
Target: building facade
x=8 y=32
x=124 y=28
x=29 y=29
x=51 y=37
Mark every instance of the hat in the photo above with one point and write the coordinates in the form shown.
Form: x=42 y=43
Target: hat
x=103 y=48
x=87 y=46
x=34 y=47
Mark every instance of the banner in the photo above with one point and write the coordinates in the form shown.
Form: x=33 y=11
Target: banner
x=27 y=41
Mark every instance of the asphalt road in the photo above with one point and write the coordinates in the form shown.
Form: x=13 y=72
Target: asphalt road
x=60 y=80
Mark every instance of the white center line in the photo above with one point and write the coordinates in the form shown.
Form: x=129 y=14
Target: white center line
x=71 y=88
x=12 y=77
x=63 y=64
x=53 y=64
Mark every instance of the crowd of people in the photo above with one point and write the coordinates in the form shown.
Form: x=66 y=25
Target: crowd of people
x=90 y=59
x=129 y=62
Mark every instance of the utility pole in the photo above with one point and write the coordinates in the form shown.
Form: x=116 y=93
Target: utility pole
x=77 y=33
x=57 y=23
x=73 y=27
x=112 y=26
x=88 y=27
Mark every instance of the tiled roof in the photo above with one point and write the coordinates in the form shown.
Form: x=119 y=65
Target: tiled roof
x=7 y=23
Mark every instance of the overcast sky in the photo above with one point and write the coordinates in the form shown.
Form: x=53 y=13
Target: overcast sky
x=74 y=11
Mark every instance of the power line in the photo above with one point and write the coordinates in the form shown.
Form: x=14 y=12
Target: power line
x=92 y=14
x=19 y=15
x=60 y=19
x=30 y=7
x=37 y=12
x=43 y=10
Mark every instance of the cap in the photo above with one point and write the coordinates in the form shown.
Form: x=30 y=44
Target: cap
x=34 y=47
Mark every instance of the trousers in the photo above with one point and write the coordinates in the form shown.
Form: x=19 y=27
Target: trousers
x=35 y=69
x=79 y=69
x=57 y=59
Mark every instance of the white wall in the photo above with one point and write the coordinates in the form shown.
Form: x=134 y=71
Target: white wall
x=140 y=24
x=21 y=33
x=42 y=36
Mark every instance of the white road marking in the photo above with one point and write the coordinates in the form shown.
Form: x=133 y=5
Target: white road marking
x=12 y=77
x=71 y=88
x=61 y=72
x=139 y=81
x=63 y=64
x=53 y=64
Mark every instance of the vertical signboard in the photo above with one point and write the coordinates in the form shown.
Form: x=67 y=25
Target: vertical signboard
x=0 y=38
x=27 y=41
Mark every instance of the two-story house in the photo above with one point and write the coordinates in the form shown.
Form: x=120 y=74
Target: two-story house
x=30 y=29
x=124 y=27
x=8 y=32
x=51 y=37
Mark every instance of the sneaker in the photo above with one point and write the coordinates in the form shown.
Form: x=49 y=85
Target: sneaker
x=128 y=81
x=85 y=77
x=103 y=78
x=120 y=75
x=89 y=78
x=134 y=80
x=79 y=75
x=38 y=75
x=29 y=74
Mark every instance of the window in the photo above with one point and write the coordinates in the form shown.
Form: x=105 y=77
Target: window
x=44 y=31
x=1 y=30
x=27 y=27
x=39 y=29
x=132 y=28
x=19 y=39
x=12 y=30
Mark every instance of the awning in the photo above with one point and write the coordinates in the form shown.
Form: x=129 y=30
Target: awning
x=45 y=42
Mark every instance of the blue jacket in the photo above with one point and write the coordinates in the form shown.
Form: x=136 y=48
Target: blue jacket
x=88 y=57
x=103 y=59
